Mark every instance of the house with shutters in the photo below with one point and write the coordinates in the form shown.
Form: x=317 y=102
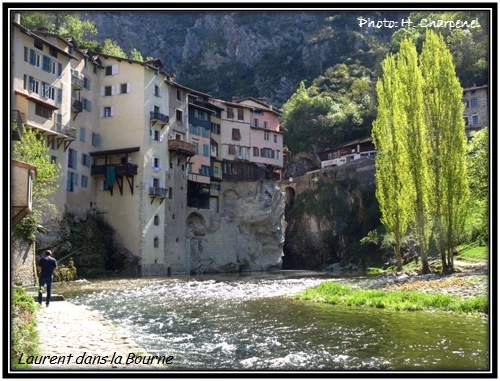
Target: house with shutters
x=477 y=109
x=135 y=146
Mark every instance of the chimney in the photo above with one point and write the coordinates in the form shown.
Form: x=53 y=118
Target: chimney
x=235 y=99
x=17 y=18
x=263 y=100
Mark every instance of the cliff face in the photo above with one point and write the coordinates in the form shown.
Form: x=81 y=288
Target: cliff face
x=327 y=213
x=246 y=235
x=242 y=53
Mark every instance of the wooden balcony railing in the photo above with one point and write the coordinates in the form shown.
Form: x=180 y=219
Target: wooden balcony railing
x=182 y=147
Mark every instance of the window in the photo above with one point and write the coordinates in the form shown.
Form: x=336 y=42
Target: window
x=256 y=122
x=70 y=181
x=196 y=144
x=72 y=158
x=48 y=91
x=155 y=242
x=156 y=90
x=85 y=160
x=230 y=113
x=38 y=44
x=43 y=111
x=205 y=150
x=267 y=152
x=34 y=85
x=240 y=114
x=200 y=115
x=178 y=115
x=278 y=154
x=466 y=103
x=86 y=104
x=276 y=138
x=108 y=91
x=473 y=102
x=256 y=151
x=215 y=128
x=205 y=170
x=179 y=95
x=156 y=164
x=96 y=69
x=96 y=139
x=53 y=160
x=86 y=83
x=205 y=132
x=107 y=112
x=155 y=135
x=466 y=120
x=156 y=220
x=85 y=181
x=82 y=134
x=266 y=135
x=236 y=134
x=475 y=119
x=112 y=70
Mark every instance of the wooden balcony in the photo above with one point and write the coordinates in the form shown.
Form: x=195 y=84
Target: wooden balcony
x=122 y=169
x=181 y=147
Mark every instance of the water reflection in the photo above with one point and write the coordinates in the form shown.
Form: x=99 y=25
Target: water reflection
x=245 y=322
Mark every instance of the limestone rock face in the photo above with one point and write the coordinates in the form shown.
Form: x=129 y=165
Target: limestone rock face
x=246 y=234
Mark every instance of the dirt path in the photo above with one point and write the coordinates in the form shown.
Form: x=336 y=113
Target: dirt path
x=77 y=338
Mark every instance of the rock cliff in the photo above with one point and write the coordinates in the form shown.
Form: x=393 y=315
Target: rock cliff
x=327 y=213
x=246 y=235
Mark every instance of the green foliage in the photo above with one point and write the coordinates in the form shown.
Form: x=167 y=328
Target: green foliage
x=349 y=295
x=445 y=128
x=32 y=150
x=137 y=56
x=478 y=165
x=111 y=48
x=426 y=142
x=24 y=336
x=337 y=107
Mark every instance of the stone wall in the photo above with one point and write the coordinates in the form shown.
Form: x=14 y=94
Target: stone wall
x=22 y=265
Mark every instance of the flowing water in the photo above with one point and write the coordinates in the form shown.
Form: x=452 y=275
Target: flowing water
x=246 y=321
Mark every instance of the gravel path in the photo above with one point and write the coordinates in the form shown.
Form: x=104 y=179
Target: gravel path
x=77 y=338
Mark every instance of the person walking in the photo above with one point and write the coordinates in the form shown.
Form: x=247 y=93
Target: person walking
x=46 y=267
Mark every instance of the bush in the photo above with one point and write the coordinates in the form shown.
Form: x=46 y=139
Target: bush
x=24 y=337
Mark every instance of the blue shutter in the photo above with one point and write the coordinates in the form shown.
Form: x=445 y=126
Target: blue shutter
x=59 y=96
x=32 y=57
x=46 y=64
x=59 y=69
x=76 y=178
x=26 y=50
x=82 y=134
x=75 y=158
x=89 y=105
x=69 y=183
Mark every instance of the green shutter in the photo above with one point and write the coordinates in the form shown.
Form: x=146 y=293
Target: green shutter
x=46 y=64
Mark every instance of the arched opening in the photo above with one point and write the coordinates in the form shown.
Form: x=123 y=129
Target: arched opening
x=195 y=224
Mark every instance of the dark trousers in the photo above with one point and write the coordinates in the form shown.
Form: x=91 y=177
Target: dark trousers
x=45 y=281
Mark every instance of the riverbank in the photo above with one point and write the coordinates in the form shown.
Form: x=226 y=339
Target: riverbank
x=465 y=291
x=72 y=337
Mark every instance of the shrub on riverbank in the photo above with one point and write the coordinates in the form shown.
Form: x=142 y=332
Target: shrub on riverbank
x=335 y=293
x=24 y=337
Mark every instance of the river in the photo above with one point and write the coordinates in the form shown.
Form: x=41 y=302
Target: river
x=246 y=321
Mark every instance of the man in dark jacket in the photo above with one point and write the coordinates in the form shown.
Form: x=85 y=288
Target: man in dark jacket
x=46 y=267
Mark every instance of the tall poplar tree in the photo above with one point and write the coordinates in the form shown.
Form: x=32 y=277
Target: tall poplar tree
x=448 y=143
x=392 y=177
x=415 y=139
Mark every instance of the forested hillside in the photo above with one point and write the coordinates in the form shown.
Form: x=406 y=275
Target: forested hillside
x=320 y=67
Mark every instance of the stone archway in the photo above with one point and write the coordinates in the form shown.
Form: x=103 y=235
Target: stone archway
x=195 y=224
x=289 y=196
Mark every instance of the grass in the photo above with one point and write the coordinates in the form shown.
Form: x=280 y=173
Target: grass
x=473 y=251
x=348 y=295
x=24 y=336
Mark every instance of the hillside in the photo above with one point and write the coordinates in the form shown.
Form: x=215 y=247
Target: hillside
x=245 y=53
